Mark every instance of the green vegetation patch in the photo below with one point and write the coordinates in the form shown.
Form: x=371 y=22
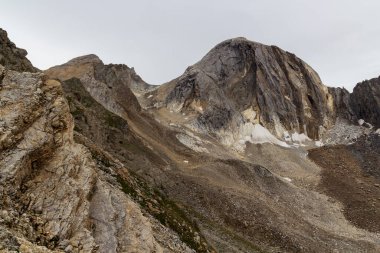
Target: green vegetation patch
x=166 y=211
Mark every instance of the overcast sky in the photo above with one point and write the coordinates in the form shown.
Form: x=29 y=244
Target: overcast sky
x=340 y=39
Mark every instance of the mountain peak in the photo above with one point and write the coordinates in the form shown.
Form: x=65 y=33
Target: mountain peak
x=236 y=41
x=282 y=91
x=90 y=58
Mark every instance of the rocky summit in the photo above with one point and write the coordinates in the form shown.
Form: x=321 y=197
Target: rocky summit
x=242 y=81
x=247 y=151
x=240 y=84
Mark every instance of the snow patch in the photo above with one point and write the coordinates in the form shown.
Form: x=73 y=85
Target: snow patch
x=150 y=96
x=296 y=139
x=361 y=121
x=287 y=179
x=262 y=135
x=377 y=131
x=300 y=138
x=248 y=132
x=318 y=143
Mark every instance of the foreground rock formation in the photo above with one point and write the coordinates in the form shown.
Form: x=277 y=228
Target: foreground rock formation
x=57 y=194
x=93 y=159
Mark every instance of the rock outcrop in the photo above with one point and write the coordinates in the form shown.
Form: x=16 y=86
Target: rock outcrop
x=365 y=101
x=241 y=81
x=13 y=57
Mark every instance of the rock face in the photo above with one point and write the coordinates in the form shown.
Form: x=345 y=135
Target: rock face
x=57 y=194
x=240 y=81
x=365 y=101
x=13 y=57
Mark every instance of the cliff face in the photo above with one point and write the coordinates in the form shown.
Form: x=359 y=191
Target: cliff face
x=13 y=57
x=241 y=81
x=365 y=101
